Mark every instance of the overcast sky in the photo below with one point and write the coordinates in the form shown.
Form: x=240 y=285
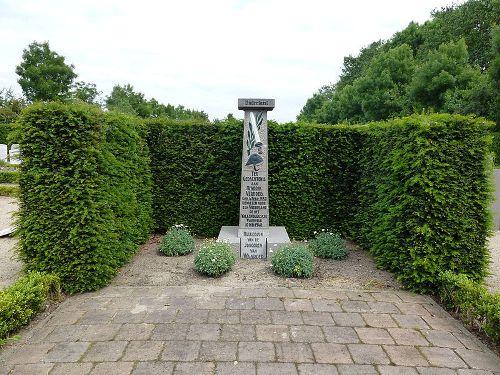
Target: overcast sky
x=205 y=54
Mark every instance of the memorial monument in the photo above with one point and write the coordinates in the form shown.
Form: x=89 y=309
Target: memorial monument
x=253 y=238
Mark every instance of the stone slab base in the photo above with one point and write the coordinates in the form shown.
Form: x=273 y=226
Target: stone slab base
x=277 y=237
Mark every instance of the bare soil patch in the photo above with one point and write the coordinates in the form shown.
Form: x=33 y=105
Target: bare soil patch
x=150 y=268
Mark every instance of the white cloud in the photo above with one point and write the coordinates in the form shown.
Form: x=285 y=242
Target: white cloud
x=205 y=54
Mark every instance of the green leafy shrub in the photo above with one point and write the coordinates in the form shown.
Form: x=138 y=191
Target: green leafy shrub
x=84 y=190
x=9 y=191
x=214 y=258
x=9 y=176
x=293 y=261
x=475 y=304
x=177 y=241
x=5 y=130
x=328 y=245
x=495 y=148
x=22 y=300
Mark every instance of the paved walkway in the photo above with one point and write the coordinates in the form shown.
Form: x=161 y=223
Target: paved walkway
x=221 y=330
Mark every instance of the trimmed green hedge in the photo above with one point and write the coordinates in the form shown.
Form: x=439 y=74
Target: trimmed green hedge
x=9 y=191
x=85 y=192
x=424 y=197
x=5 y=130
x=414 y=191
x=22 y=300
x=495 y=148
x=475 y=304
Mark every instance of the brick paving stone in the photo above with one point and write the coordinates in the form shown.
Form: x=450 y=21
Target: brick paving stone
x=105 y=351
x=480 y=360
x=32 y=369
x=307 y=293
x=442 y=338
x=407 y=336
x=469 y=341
x=238 y=332
x=38 y=334
x=231 y=368
x=65 y=333
x=326 y=305
x=316 y=318
x=412 y=308
x=331 y=353
x=386 y=297
x=442 y=357
x=435 y=371
x=405 y=355
x=255 y=316
x=368 y=354
x=348 y=319
x=67 y=352
x=374 y=335
x=154 y=368
x=397 y=370
x=413 y=297
x=182 y=302
x=132 y=331
x=180 y=350
x=294 y=352
x=240 y=303
x=379 y=320
x=332 y=294
x=5 y=370
x=360 y=296
x=224 y=316
x=287 y=317
x=304 y=333
x=112 y=368
x=357 y=370
x=191 y=316
x=100 y=332
x=269 y=303
x=255 y=351
x=410 y=321
x=59 y=318
x=218 y=351
x=205 y=332
x=212 y=303
x=296 y=304
x=355 y=306
x=31 y=353
x=71 y=368
x=170 y=331
x=97 y=317
x=272 y=332
x=142 y=351
x=280 y=292
x=443 y=324
x=125 y=316
x=474 y=372
x=198 y=368
x=253 y=292
x=383 y=307
x=120 y=303
x=276 y=369
x=316 y=369
x=341 y=335
x=160 y=316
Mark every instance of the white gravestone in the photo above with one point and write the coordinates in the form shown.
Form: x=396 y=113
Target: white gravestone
x=3 y=152
x=253 y=237
x=14 y=154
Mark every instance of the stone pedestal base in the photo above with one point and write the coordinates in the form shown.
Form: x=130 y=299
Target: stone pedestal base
x=277 y=237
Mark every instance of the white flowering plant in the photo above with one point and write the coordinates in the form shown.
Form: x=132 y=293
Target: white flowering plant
x=328 y=244
x=177 y=241
x=215 y=258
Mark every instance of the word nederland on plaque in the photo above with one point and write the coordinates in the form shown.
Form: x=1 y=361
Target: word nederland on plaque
x=253 y=230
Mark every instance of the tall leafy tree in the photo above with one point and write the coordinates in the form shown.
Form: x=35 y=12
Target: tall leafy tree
x=43 y=74
x=10 y=106
x=86 y=92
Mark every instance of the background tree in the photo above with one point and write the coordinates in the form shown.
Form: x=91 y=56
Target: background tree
x=43 y=74
x=10 y=106
x=86 y=92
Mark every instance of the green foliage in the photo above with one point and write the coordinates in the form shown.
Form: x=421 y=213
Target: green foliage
x=328 y=245
x=495 y=148
x=5 y=130
x=177 y=241
x=214 y=258
x=86 y=92
x=9 y=191
x=125 y=99
x=10 y=107
x=424 y=197
x=85 y=192
x=475 y=304
x=9 y=176
x=22 y=300
x=43 y=74
x=293 y=261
